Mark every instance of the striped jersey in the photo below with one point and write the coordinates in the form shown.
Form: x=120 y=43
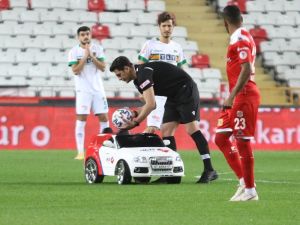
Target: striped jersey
x=155 y=50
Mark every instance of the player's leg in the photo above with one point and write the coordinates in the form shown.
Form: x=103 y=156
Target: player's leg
x=83 y=104
x=154 y=119
x=244 y=117
x=100 y=109
x=209 y=174
x=188 y=108
x=222 y=140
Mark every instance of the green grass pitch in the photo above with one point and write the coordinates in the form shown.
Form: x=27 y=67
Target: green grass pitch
x=48 y=187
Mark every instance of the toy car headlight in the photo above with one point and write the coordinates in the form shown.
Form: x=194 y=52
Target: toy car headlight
x=140 y=159
x=178 y=159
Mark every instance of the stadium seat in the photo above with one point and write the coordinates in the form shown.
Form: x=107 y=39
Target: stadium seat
x=127 y=17
x=18 y=4
x=115 y=5
x=10 y=15
x=136 y=5
x=200 y=61
x=4 y=4
x=195 y=73
x=291 y=6
x=211 y=73
x=50 y=16
x=271 y=7
x=69 y=16
x=42 y=29
x=120 y=31
x=108 y=18
x=67 y=93
x=111 y=43
x=179 y=32
x=88 y=17
x=78 y=5
x=58 y=4
x=16 y=42
x=23 y=29
x=154 y=31
x=255 y=6
x=38 y=71
x=18 y=70
x=38 y=4
x=7 y=57
x=131 y=44
x=147 y=18
x=100 y=32
x=155 y=6
x=139 y=31
x=96 y=5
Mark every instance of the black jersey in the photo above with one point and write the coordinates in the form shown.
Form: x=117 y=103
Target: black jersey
x=165 y=78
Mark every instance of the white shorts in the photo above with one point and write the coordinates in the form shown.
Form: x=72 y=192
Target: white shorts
x=154 y=119
x=85 y=102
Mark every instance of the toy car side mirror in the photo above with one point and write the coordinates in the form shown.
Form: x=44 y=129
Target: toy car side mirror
x=167 y=142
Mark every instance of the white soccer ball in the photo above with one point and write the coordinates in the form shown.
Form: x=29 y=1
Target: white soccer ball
x=120 y=117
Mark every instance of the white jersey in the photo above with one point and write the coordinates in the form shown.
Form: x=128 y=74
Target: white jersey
x=155 y=50
x=89 y=79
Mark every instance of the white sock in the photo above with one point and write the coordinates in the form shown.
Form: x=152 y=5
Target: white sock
x=242 y=182
x=79 y=135
x=250 y=191
x=103 y=125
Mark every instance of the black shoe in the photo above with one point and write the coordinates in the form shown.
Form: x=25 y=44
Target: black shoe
x=107 y=130
x=161 y=180
x=208 y=176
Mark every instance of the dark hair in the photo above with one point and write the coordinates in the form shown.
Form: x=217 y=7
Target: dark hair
x=232 y=14
x=119 y=63
x=164 y=16
x=83 y=28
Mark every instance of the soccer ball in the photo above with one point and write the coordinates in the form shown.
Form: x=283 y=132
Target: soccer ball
x=120 y=116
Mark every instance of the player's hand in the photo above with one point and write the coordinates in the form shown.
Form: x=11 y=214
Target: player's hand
x=228 y=103
x=150 y=130
x=128 y=124
x=87 y=51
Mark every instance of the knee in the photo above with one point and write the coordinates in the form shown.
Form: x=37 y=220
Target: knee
x=220 y=139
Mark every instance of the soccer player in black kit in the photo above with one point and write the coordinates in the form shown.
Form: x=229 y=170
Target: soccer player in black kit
x=182 y=106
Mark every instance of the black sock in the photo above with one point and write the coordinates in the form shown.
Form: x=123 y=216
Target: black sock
x=172 y=144
x=203 y=149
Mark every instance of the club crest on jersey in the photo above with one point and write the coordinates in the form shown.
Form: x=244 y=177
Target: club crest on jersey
x=239 y=114
x=144 y=84
x=243 y=55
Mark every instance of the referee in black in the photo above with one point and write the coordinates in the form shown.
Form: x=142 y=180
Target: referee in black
x=182 y=106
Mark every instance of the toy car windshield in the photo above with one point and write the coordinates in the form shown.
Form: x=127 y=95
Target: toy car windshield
x=139 y=140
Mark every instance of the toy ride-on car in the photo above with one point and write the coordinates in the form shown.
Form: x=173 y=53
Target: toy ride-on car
x=138 y=156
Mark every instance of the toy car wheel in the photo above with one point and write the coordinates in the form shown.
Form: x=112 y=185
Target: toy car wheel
x=123 y=172
x=91 y=172
x=173 y=180
x=142 y=180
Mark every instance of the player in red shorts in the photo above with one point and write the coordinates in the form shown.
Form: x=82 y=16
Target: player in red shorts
x=239 y=113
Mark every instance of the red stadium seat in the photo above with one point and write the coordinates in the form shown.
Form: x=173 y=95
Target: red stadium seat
x=96 y=5
x=257 y=43
x=240 y=3
x=259 y=32
x=4 y=4
x=100 y=32
x=200 y=61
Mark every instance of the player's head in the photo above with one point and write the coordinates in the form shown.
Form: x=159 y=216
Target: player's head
x=84 y=35
x=232 y=16
x=166 y=22
x=123 y=69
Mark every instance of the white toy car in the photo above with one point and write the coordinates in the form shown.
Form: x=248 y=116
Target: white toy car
x=138 y=156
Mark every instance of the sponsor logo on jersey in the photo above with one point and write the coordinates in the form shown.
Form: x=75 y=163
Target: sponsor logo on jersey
x=243 y=48
x=163 y=57
x=239 y=114
x=144 y=84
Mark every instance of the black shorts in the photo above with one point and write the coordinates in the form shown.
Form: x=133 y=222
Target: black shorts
x=184 y=107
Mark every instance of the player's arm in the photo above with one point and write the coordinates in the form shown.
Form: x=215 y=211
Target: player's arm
x=77 y=68
x=99 y=63
x=241 y=82
x=149 y=99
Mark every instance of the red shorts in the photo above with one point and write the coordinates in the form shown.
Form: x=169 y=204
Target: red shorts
x=241 y=118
